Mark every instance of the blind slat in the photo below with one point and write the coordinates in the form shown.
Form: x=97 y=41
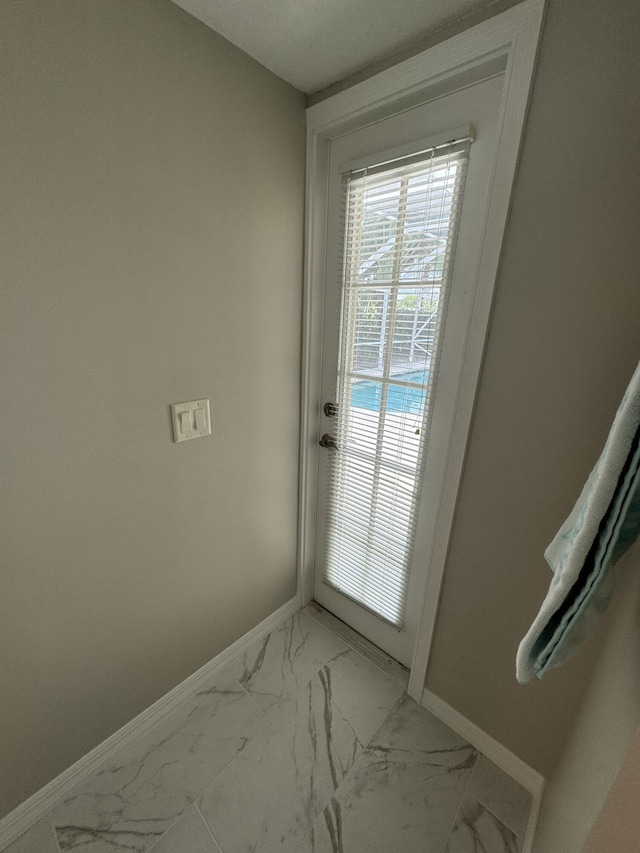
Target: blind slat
x=400 y=223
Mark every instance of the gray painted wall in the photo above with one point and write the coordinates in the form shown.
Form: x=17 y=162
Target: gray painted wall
x=563 y=342
x=152 y=208
x=618 y=824
x=607 y=719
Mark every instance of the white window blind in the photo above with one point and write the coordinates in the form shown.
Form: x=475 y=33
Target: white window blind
x=399 y=237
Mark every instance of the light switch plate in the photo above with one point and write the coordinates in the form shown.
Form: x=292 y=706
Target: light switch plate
x=190 y=420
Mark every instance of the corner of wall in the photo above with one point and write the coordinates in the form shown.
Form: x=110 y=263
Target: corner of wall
x=607 y=718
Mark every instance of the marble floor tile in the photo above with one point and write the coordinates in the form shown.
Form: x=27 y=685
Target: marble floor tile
x=301 y=745
x=38 y=839
x=362 y=696
x=406 y=786
x=274 y=668
x=476 y=830
x=269 y=798
x=335 y=831
x=129 y=804
x=501 y=795
x=189 y=834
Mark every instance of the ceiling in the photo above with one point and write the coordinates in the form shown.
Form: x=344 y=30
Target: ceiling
x=313 y=43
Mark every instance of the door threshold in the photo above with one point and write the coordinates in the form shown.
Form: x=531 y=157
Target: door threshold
x=367 y=649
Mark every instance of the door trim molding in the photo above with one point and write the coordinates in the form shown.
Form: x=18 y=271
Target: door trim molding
x=507 y=43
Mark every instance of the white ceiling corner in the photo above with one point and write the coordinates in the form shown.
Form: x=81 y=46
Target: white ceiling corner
x=313 y=43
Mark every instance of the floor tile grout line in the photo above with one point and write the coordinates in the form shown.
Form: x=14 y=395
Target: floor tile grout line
x=322 y=664
x=209 y=829
x=393 y=708
x=53 y=832
x=213 y=781
x=176 y=821
x=491 y=811
x=168 y=829
x=259 y=707
x=496 y=817
x=201 y=793
x=354 y=816
x=362 y=751
x=462 y=799
x=281 y=705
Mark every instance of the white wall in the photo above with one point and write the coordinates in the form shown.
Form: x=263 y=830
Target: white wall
x=151 y=230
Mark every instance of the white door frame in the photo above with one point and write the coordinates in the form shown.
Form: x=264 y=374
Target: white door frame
x=508 y=42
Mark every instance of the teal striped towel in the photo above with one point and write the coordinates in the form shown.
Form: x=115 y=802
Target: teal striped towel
x=603 y=524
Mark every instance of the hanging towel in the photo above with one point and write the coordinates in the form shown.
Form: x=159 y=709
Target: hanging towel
x=603 y=524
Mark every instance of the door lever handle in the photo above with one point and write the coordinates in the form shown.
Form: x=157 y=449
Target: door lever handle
x=328 y=441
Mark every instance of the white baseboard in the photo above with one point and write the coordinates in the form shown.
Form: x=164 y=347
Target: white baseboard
x=44 y=801
x=513 y=766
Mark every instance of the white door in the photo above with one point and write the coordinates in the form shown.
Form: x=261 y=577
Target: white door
x=405 y=211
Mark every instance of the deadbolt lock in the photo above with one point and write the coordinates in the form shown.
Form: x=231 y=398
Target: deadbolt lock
x=330 y=410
